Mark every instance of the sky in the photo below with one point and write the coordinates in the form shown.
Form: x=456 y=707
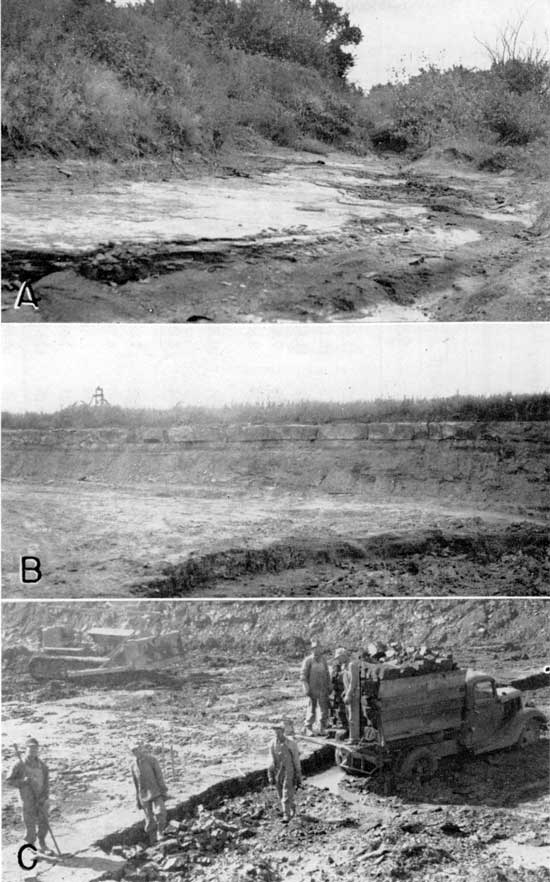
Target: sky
x=47 y=367
x=409 y=34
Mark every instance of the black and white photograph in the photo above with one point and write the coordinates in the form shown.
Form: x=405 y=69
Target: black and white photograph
x=285 y=740
x=306 y=461
x=265 y=160
x=275 y=441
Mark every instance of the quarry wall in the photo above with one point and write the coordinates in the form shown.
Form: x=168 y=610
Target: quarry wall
x=505 y=462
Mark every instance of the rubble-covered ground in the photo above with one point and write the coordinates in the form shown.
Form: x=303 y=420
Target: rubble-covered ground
x=475 y=821
x=484 y=819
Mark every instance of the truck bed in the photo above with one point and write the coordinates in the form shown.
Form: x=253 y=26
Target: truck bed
x=413 y=706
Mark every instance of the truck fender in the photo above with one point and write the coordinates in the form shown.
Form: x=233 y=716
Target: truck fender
x=529 y=726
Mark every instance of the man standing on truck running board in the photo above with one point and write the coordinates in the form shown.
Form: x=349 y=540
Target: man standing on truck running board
x=151 y=791
x=315 y=677
x=338 y=710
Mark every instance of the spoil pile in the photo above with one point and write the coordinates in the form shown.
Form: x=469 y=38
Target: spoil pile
x=192 y=842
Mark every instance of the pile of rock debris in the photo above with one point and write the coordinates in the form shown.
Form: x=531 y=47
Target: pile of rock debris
x=391 y=661
x=195 y=842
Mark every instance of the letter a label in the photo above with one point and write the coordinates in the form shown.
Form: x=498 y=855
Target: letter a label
x=26 y=297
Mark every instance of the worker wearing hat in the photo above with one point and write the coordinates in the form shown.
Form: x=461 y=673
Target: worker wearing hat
x=315 y=677
x=285 y=769
x=339 y=714
x=151 y=791
x=31 y=776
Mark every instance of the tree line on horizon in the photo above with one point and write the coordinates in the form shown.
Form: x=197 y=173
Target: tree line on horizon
x=465 y=408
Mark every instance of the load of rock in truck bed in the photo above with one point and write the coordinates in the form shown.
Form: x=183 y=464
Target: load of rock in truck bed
x=393 y=661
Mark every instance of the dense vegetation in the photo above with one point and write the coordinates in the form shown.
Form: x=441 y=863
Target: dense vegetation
x=163 y=77
x=88 y=77
x=467 y=408
x=492 y=116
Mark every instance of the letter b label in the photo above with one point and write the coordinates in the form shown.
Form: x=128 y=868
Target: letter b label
x=30 y=569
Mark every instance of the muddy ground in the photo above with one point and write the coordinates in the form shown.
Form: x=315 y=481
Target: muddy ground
x=483 y=819
x=275 y=237
x=104 y=541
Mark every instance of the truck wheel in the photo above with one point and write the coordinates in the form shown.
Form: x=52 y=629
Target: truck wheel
x=419 y=765
x=530 y=734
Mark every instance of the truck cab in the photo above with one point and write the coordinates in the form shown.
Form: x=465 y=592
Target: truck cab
x=494 y=716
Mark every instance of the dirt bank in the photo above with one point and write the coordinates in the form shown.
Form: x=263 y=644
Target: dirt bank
x=492 y=463
x=356 y=508
x=278 y=236
x=241 y=670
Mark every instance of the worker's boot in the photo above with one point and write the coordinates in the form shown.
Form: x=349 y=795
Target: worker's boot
x=43 y=848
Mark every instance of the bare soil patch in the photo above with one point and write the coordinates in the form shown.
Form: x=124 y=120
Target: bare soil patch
x=96 y=541
x=281 y=236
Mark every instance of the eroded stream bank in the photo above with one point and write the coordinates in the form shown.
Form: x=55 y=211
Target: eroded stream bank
x=294 y=237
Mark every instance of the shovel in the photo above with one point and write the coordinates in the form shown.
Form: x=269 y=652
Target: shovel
x=41 y=813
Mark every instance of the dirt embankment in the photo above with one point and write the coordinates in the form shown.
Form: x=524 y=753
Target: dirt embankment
x=499 y=465
x=468 y=626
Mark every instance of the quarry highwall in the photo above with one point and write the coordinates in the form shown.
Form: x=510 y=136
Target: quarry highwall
x=477 y=462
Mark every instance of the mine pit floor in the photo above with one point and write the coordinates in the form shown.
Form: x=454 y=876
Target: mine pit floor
x=211 y=734
x=105 y=541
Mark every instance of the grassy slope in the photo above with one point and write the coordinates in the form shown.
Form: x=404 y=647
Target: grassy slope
x=83 y=77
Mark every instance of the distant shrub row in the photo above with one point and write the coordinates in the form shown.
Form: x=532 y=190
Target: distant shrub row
x=495 y=408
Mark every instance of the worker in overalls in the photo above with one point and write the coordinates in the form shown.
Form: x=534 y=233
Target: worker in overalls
x=285 y=770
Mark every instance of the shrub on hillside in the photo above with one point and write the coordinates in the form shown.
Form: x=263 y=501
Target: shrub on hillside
x=517 y=118
x=86 y=76
x=483 y=106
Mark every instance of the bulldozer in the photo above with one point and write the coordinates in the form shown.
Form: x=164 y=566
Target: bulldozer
x=105 y=656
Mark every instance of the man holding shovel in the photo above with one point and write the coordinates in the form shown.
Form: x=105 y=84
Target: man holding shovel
x=31 y=776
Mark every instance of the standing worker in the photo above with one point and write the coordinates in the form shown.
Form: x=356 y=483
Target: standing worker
x=339 y=682
x=151 y=792
x=352 y=699
x=32 y=777
x=285 y=770
x=315 y=677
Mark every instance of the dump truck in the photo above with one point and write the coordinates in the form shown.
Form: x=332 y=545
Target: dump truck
x=404 y=721
x=105 y=656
